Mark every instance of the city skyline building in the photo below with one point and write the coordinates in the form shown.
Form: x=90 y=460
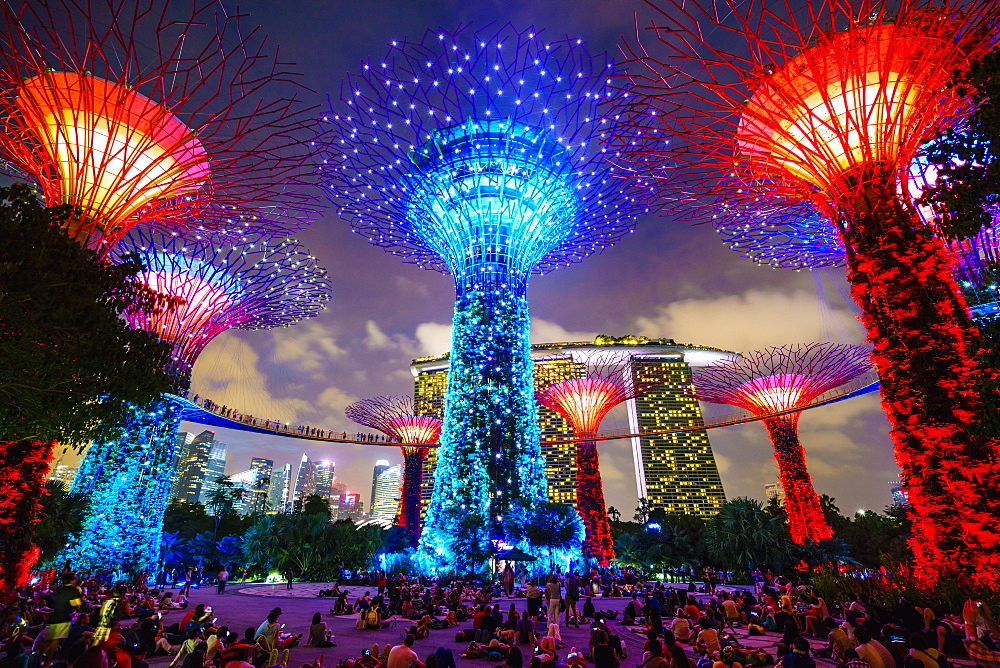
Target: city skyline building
x=325 y=478
x=385 y=502
x=305 y=482
x=192 y=466
x=351 y=507
x=278 y=491
x=674 y=472
x=773 y=491
x=215 y=468
x=380 y=466
x=64 y=474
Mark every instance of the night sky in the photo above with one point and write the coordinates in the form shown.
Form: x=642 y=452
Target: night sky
x=669 y=279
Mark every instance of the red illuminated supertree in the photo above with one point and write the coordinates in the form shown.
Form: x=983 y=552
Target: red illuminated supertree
x=180 y=120
x=584 y=402
x=395 y=416
x=777 y=379
x=827 y=102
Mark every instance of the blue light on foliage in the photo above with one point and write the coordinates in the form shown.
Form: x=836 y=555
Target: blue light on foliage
x=482 y=156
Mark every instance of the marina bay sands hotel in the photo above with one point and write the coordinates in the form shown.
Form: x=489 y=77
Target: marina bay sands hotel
x=675 y=472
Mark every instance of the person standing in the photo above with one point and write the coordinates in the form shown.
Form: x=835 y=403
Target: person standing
x=572 y=596
x=223 y=578
x=188 y=576
x=508 y=580
x=553 y=597
x=534 y=596
x=66 y=599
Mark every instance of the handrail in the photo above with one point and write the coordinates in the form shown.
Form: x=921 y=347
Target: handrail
x=869 y=383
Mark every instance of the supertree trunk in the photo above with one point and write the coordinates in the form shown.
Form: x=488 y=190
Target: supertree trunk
x=926 y=356
x=128 y=482
x=598 y=543
x=413 y=476
x=490 y=439
x=805 y=515
x=23 y=467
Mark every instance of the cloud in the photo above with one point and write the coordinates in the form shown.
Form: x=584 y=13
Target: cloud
x=751 y=320
x=434 y=338
x=308 y=345
x=227 y=372
x=376 y=339
x=546 y=331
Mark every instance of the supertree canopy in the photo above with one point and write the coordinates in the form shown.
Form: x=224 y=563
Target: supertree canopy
x=826 y=103
x=480 y=155
x=127 y=480
x=773 y=380
x=395 y=416
x=584 y=402
x=133 y=114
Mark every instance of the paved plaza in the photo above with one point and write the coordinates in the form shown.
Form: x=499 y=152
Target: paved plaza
x=247 y=605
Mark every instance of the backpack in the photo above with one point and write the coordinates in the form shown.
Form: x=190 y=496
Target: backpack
x=372 y=618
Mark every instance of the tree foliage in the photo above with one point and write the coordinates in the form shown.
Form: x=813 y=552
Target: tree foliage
x=60 y=516
x=744 y=536
x=70 y=366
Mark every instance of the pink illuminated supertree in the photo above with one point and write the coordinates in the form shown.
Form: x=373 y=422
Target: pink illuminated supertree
x=778 y=379
x=395 y=417
x=132 y=114
x=584 y=403
x=827 y=103
x=215 y=287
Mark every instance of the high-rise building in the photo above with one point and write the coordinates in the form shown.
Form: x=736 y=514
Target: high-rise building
x=325 y=478
x=277 y=495
x=380 y=466
x=256 y=499
x=305 y=482
x=898 y=492
x=774 y=492
x=215 y=468
x=351 y=507
x=337 y=492
x=385 y=500
x=674 y=472
x=192 y=466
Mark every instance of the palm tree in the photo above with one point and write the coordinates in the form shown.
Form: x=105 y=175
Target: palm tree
x=629 y=551
x=60 y=516
x=744 y=536
x=173 y=548
x=222 y=500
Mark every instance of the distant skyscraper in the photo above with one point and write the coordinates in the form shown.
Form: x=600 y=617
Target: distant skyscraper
x=898 y=493
x=215 y=468
x=324 y=478
x=277 y=496
x=258 y=496
x=337 y=492
x=675 y=472
x=191 y=471
x=385 y=500
x=380 y=466
x=773 y=491
x=305 y=482
x=351 y=507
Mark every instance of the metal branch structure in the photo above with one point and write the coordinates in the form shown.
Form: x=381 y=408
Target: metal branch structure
x=262 y=285
x=826 y=103
x=480 y=154
x=132 y=113
x=395 y=416
x=584 y=402
x=777 y=379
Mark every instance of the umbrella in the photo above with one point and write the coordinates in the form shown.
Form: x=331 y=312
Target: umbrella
x=515 y=554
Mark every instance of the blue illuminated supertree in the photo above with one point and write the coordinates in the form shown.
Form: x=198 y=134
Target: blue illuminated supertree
x=257 y=286
x=480 y=155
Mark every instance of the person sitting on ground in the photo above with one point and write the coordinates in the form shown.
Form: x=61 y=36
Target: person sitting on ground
x=852 y=660
x=839 y=641
x=681 y=627
x=603 y=654
x=920 y=650
x=317 y=633
x=653 y=657
x=526 y=631
x=799 y=656
x=727 y=659
x=872 y=650
x=679 y=658
x=785 y=645
x=708 y=639
x=403 y=656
